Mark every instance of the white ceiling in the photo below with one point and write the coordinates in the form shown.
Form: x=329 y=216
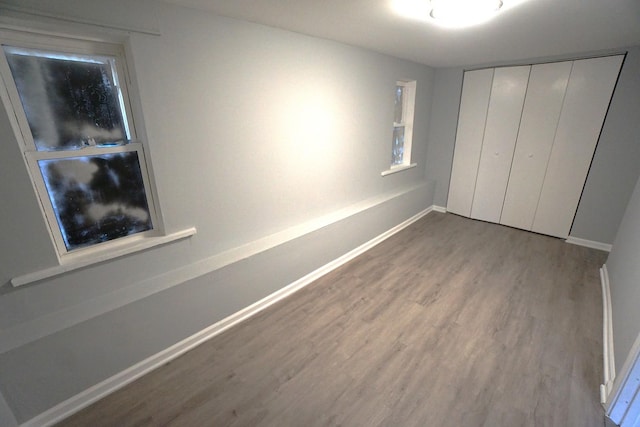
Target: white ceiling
x=531 y=29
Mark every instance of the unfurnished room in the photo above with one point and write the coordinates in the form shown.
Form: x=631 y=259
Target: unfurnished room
x=320 y=213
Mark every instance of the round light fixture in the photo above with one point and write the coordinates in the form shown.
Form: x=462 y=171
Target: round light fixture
x=463 y=13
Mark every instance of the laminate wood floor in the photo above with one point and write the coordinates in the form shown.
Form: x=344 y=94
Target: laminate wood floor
x=451 y=322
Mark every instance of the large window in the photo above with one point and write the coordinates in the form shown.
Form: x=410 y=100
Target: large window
x=404 y=103
x=73 y=115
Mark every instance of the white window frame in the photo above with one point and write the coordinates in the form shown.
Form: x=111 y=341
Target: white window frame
x=31 y=155
x=408 y=114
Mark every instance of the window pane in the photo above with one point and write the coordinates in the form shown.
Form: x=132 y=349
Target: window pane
x=70 y=101
x=97 y=198
x=397 y=150
x=398 y=104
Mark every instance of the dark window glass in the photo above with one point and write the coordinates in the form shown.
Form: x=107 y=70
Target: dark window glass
x=397 y=149
x=398 y=104
x=70 y=102
x=97 y=198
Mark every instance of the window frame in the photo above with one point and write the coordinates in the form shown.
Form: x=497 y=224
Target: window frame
x=12 y=102
x=408 y=115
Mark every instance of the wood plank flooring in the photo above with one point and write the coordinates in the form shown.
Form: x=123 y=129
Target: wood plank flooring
x=451 y=322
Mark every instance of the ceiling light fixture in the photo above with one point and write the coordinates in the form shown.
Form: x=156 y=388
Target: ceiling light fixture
x=463 y=13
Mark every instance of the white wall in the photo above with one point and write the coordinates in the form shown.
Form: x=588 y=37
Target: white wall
x=252 y=131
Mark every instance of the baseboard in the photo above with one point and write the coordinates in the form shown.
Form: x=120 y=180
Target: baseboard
x=607 y=337
x=116 y=382
x=589 y=243
x=440 y=209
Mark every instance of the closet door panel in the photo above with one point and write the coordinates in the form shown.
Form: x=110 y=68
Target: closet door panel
x=540 y=115
x=587 y=98
x=476 y=89
x=503 y=119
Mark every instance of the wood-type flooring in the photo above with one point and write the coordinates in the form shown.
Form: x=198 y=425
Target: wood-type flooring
x=450 y=322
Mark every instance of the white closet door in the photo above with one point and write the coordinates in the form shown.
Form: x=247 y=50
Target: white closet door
x=503 y=119
x=586 y=101
x=540 y=115
x=476 y=89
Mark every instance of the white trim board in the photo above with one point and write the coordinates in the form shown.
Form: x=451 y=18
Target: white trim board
x=110 y=385
x=609 y=363
x=32 y=329
x=589 y=243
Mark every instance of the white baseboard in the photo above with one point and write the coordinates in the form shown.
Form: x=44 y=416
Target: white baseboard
x=440 y=209
x=589 y=243
x=607 y=337
x=108 y=386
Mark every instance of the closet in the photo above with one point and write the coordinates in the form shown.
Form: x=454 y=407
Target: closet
x=525 y=140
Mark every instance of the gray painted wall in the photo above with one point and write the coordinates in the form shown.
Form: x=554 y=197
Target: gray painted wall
x=623 y=266
x=616 y=164
x=252 y=131
x=614 y=170
x=6 y=414
x=442 y=129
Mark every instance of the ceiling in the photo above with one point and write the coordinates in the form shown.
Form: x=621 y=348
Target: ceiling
x=525 y=29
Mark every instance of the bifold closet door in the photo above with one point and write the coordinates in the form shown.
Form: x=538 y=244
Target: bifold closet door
x=585 y=106
x=476 y=89
x=501 y=130
x=540 y=115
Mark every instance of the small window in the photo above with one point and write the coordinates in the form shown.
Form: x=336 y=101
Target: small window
x=78 y=138
x=405 y=96
x=402 y=137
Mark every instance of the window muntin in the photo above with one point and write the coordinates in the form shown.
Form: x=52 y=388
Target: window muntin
x=404 y=102
x=79 y=143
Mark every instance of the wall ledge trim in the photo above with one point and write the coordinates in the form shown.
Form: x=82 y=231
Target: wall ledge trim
x=116 y=382
x=96 y=257
x=589 y=243
x=39 y=327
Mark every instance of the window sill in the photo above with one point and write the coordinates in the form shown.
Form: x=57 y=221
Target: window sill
x=399 y=168
x=95 y=258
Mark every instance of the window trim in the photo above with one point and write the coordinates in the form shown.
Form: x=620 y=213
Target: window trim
x=408 y=115
x=129 y=99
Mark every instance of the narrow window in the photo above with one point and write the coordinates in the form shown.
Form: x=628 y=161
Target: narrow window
x=404 y=102
x=79 y=142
